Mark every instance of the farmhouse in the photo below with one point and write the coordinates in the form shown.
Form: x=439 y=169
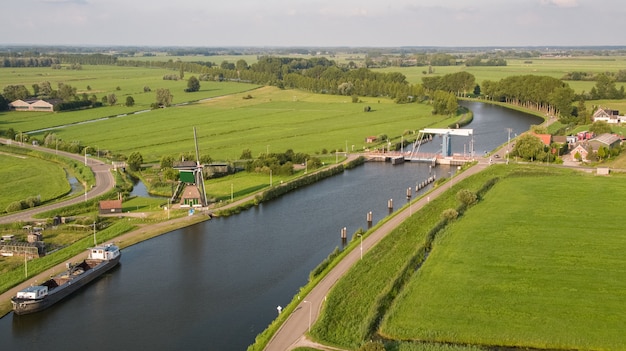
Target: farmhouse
x=110 y=206
x=33 y=105
x=608 y=116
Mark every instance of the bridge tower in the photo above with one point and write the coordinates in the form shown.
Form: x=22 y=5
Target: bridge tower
x=446 y=134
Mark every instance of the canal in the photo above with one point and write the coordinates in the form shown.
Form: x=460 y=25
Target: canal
x=216 y=285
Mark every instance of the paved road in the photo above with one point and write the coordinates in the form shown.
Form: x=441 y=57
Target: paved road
x=291 y=333
x=102 y=171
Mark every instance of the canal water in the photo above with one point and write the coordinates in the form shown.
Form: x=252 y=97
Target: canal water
x=217 y=284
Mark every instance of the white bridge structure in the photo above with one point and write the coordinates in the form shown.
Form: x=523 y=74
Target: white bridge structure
x=446 y=149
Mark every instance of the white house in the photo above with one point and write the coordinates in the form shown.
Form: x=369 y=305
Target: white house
x=608 y=116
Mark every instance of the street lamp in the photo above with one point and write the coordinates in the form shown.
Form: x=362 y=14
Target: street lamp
x=86 y=147
x=361 y=236
x=310 y=308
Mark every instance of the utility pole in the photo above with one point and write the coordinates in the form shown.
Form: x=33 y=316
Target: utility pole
x=508 y=146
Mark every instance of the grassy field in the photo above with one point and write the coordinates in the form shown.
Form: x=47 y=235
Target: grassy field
x=553 y=67
x=22 y=178
x=104 y=80
x=495 y=277
x=527 y=267
x=274 y=120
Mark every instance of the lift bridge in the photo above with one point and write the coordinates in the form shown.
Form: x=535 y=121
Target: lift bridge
x=446 y=145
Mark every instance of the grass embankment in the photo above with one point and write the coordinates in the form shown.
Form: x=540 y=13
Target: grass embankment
x=494 y=276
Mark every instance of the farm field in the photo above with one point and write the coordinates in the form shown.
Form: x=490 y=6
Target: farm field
x=22 y=178
x=272 y=120
x=524 y=268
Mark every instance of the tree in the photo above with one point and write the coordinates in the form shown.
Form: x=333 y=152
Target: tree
x=193 y=84
x=130 y=101
x=112 y=99
x=164 y=97
x=66 y=92
x=449 y=214
x=182 y=71
x=562 y=98
x=600 y=127
x=134 y=161
x=466 y=197
x=241 y=65
x=246 y=154
x=4 y=103
x=528 y=147
x=167 y=161
x=15 y=92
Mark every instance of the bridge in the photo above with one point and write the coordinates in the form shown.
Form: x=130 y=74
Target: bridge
x=444 y=157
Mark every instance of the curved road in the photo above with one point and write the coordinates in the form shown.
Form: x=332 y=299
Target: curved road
x=102 y=171
x=291 y=333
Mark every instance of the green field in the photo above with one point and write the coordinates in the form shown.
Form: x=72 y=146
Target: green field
x=553 y=67
x=22 y=178
x=274 y=120
x=104 y=80
x=536 y=264
x=525 y=267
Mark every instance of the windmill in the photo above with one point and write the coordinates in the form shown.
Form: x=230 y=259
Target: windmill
x=198 y=171
x=191 y=187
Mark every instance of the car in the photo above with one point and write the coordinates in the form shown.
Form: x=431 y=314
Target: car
x=496 y=156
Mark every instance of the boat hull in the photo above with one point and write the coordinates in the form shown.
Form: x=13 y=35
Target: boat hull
x=26 y=306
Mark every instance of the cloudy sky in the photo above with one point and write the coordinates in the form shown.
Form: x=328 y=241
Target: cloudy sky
x=371 y=23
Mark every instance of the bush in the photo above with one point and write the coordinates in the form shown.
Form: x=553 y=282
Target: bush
x=449 y=214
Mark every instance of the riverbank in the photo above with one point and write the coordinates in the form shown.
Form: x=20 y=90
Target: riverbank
x=149 y=231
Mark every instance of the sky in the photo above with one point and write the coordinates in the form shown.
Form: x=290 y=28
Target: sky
x=317 y=23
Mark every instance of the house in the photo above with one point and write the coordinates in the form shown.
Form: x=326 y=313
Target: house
x=608 y=116
x=546 y=139
x=110 y=206
x=370 y=139
x=190 y=197
x=579 y=149
x=607 y=140
x=33 y=105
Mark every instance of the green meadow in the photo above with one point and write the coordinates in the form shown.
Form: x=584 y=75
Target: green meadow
x=102 y=81
x=525 y=267
x=272 y=120
x=22 y=178
x=555 y=67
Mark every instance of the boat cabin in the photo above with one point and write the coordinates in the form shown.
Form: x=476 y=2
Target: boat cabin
x=104 y=252
x=33 y=292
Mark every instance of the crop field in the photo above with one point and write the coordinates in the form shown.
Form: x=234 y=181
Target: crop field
x=272 y=120
x=537 y=263
x=21 y=178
